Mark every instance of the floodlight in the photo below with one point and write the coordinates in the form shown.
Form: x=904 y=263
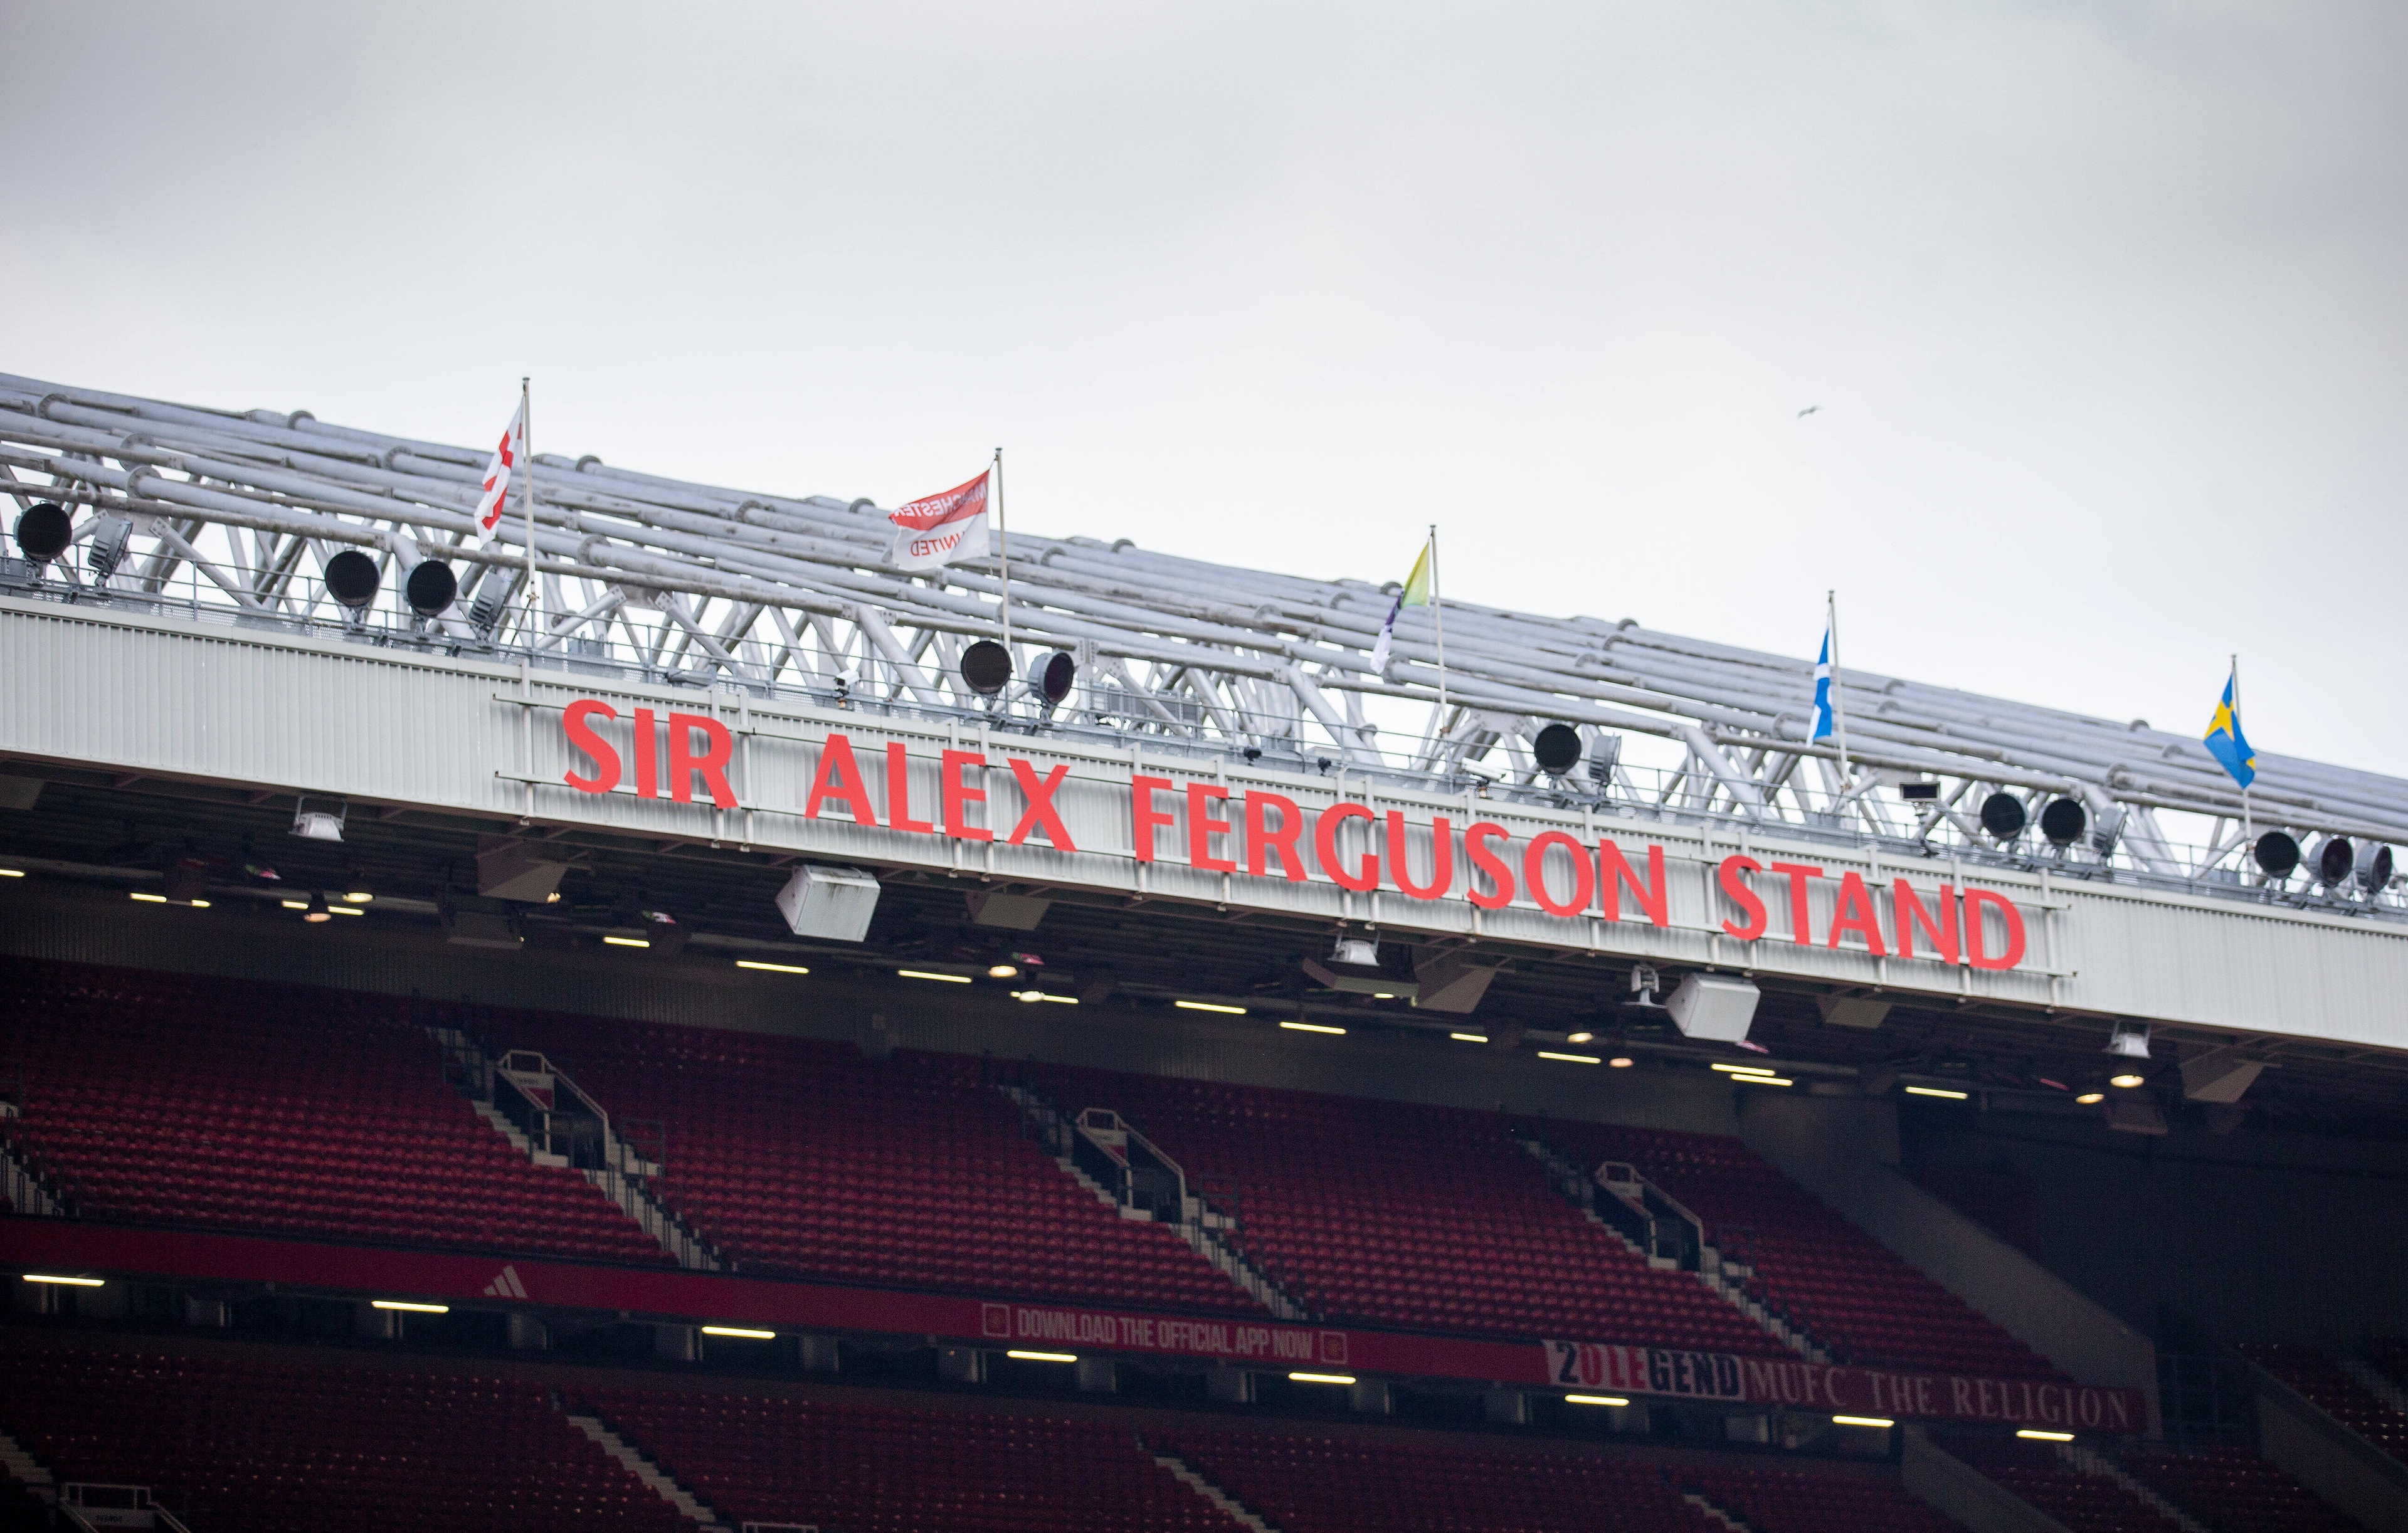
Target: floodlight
x=352 y=578
x=1919 y=793
x=986 y=667
x=2276 y=855
x=2373 y=867
x=1557 y=749
x=319 y=825
x=105 y=549
x=317 y=912
x=2110 y=827
x=44 y=531
x=2334 y=857
x=431 y=589
x=1354 y=950
x=2131 y=1041
x=2128 y=1081
x=2063 y=822
x=2003 y=816
x=1055 y=675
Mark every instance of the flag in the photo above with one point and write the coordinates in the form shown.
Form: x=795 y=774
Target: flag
x=2224 y=740
x=932 y=533
x=1416 y=594
x=1822 y=723
x=497 y=473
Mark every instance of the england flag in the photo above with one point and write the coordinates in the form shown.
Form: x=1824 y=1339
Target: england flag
x=496 y=494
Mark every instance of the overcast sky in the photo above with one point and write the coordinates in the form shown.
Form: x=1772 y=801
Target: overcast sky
x=2102 y=304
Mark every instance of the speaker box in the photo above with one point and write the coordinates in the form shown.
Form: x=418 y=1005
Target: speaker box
x=833 y=903
x=1714 y=1007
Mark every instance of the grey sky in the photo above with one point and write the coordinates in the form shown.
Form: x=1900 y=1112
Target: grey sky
x=2102 y=304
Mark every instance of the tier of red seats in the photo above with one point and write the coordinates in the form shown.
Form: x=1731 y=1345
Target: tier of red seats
x=1828 y=1278
x=1786 y=1502
x=275 y=1448
x=2322 y=1381
x=2234 y=1491
x=1431 y=1218
x=802 y=1158
x=278 y=1110
x=1302 y=1484
x=878 y=1469
x=2084 y=1503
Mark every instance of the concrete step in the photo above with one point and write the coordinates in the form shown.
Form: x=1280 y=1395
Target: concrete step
x=2082 y=1460
x=2374 y=1384
x=1236 y=1509
x=1716 y=1514
x=662 y=1484
x=22 y=1466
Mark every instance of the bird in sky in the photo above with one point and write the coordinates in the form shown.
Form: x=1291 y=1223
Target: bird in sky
x=1808 y=410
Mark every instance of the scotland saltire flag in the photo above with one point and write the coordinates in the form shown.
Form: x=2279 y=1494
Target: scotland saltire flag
x=1823 y=728
x=2224 y=740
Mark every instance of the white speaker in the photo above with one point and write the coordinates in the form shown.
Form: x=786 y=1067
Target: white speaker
x=834 y=903
x=1714 y=1007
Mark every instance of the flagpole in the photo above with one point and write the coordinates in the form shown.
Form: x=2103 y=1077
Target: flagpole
x=2248 y=841
x=526 y=436
x=1003 y=534
x=1438 y=616
x=1838 y=703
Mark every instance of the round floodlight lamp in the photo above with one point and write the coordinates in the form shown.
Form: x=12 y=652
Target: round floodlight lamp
x=1055 y=675
x=1557 y=749
x=44 y=531
x=2063 y=822
x=352 y=578
x=986 y=667
x=317 y=912
x=2373 y=867
x=2276 y=855
x=2334 y=858
x=431 y=589
x=2126 y=1081
x=2003 y=816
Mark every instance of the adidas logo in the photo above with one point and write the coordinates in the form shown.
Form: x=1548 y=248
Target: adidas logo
x=507 y=1285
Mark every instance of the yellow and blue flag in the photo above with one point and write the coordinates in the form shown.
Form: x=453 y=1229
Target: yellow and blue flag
x=2224 y=740
x=1416 y=594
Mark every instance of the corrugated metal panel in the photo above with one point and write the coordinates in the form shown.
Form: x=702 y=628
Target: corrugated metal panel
x=268 y=710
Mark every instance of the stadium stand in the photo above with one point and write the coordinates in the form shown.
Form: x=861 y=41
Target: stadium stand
x=1389 y=1214
x=2389 y=1356
x=275 y=1110
x=2324 y=1382
x=880 y=1469
x=1784 y=1501
x=2232 y=1490
x=802 y=1158
x=2084 y=1503
x=1310 y=1484
x=1824 y=1275
x=278 y=1448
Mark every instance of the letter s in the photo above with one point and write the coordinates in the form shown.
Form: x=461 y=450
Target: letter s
x=582 y=736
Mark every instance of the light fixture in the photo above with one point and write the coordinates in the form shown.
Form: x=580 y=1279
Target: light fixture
x=1294 y=1026
x=1862 y=1420
x=1570 y=1058
x=1384 y=995
x=1054 y=675
x=829 y=904
x=771 y=968
x=64 y=1282
x=1003 y=972
x=2033 y=1434
x=1578 y=1037
x=1468 y=1038
x=150 y=899
x=316 y=910
x=2130 y=1040
x=1620 y=1062
x=1938 y=1091
x=2003 y=816
x=1737 y=1069
x=1226 y=1011
x=1044 y=1356
x=627 y=942
x=1321 y=1378
x=44 y=532
x=11 y=872
x=359 y=893
x=1557 y=749
x=1595 y=1399
x=1035 y=995
x=2126 y=1081
x=352 y=578
x=2276 y=855
x=430 y=588
x=931 y=974
x=319 y=825
x=346 y=909
x=739 y=1332
x=1761 y=1081
x=294 y=904
x=986 y=667
x=1713 y=1008
x=2091 y=1099
x=406 y=1307
x=2063 y=820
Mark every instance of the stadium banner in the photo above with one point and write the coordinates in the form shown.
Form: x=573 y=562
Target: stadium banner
x=707 y=1299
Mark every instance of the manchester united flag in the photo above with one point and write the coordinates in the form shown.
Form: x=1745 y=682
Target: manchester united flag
x=932 y=533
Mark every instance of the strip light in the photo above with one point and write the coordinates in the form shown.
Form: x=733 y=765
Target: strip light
x=2034 y=1434
x=1739 y=1070
x=739 y=1331
x=1211 y=1005
x=11 y=872
x=150 y=899
x=1313 y=1028
x=64 y=1282
x=1761 y=1081
x=1033 y=995
x=1321 y=1378
x=771 y=968
x=1938 y=1091
x=1468 y=1038
x=931 y=974
x=626 y=941
x=406 y=1307
x=1595 y=1399
x=1571 y=1059
x=1862 y=1420
x=1044 y=1356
